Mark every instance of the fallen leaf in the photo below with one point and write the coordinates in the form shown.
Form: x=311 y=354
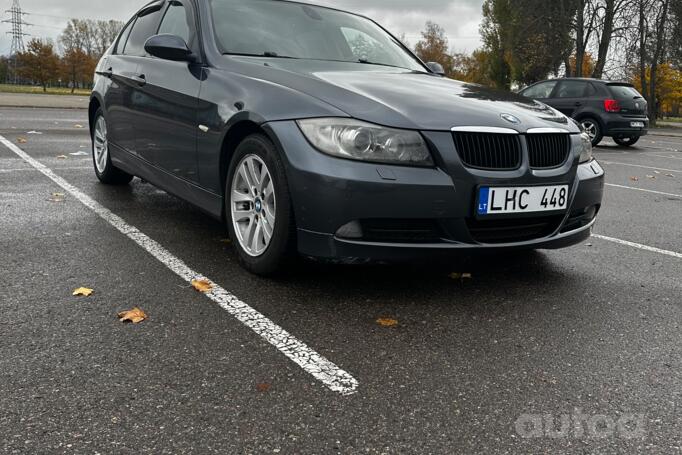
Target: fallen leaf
x=651 y=176
x=657 y=172
x=78 y=126
x=387 y=322
x=135 y=316
x=202 y=285
x=83 y=292
x=460 y=276
x=56 y=197
x=634 y=179
x=263 y=387
x=669 y=175
x=61 y=157
x=22 y=140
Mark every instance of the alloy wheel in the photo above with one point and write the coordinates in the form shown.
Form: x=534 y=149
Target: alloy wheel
x=253 y=205
x=101 y=145
x=591 y=128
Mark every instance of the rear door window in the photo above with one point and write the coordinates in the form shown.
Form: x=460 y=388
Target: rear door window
x=571 y=89
x=541 y=90
x=124 y=38
x=145 y=27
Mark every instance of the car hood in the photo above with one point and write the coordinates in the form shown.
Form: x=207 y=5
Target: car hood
x=404 y=99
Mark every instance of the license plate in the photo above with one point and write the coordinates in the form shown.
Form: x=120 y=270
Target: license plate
x=499 y=201
x=636 y=124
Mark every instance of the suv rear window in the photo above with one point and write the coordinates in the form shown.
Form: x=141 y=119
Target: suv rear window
x=624 y=92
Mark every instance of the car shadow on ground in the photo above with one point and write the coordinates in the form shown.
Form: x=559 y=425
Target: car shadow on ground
x=203 y=242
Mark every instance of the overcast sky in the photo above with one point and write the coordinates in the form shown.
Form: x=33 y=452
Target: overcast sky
x=460 y=18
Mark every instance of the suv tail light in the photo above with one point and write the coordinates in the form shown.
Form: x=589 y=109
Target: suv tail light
x=612 y=105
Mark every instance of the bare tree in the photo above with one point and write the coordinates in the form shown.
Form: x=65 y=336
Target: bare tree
x=657 y=58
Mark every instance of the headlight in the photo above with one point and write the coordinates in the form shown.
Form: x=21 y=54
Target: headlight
x=356 y=140
x=585 y=148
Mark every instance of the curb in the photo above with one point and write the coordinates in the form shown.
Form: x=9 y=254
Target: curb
x=664 y=134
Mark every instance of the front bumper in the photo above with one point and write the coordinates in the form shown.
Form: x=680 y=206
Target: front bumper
x=434 y=207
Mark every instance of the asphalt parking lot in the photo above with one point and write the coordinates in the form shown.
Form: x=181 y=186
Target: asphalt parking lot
x=490 y=364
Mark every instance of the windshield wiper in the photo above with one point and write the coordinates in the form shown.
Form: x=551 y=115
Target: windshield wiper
x=368 y=62
x=264 y=54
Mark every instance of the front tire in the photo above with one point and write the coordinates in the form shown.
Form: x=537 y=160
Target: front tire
x=258 y=207
x=106 y=172
x=626 y=141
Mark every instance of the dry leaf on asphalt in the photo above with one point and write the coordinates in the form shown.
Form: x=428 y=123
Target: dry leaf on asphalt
x=387 y=322
x=61 y=157
x=460 y=276
x=263 y=387
x=135 y=316
x=669 y=175
x=78 y=126
x=202 y=285
x=83 y=292
x=56 y=197
x=22 y=140
x=651 y=176
x=634 y=179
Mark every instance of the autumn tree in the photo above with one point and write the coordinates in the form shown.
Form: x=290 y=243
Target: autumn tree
x=434 y=47
x=4 y=68
x=83 y=43
x=587 y=66
x=39 y=63
x=527 y=39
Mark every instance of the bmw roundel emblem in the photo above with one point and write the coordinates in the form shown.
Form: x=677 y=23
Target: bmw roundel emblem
x=510 y=118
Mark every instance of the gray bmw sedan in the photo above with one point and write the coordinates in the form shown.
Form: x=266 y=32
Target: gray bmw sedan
x=312 y=131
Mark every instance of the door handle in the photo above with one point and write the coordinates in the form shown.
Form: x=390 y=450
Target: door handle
x=107 y=73
x=140 y=80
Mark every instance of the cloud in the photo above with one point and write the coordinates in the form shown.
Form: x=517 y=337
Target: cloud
x=459 y=18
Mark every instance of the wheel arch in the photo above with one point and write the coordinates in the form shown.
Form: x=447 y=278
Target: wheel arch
x=590 y=115
x=95 y=104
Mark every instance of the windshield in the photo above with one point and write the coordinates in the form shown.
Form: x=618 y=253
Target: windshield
x=290 y=30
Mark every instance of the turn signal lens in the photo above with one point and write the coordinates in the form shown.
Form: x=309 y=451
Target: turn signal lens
x=612 y=105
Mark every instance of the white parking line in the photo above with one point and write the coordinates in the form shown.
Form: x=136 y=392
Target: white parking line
x=319 y=367
x=639 y=246
x=639 y=165
x=642 y=189
x=30 y=169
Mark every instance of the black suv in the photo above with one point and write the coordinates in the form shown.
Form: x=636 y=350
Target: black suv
x=603 y=108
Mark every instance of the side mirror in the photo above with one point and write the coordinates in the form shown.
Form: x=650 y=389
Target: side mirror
x=436 y=68
x=169 y=47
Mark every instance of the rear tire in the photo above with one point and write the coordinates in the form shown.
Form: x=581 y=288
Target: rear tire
x=258 y=208
x=626 y=141
x=593 y=129
x=106 y=172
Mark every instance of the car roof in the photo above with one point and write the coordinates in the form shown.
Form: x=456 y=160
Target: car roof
x=588 y=79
